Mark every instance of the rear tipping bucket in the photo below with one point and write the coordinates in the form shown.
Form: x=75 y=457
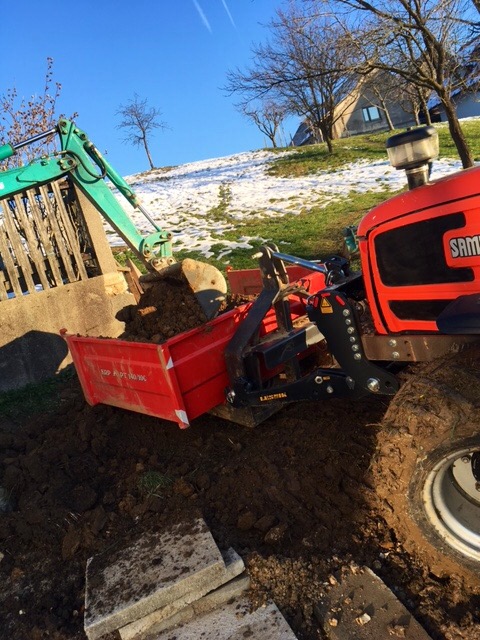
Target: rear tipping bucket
x=177 y=380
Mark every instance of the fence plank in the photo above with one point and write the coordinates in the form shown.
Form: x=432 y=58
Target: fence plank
x=41 y=225
x=61 y=246
x=35 y=248
x=6 y=254
x=69 y=231
x=41 y=240
x=16 y=240
x=34 y=252
x=3 y=285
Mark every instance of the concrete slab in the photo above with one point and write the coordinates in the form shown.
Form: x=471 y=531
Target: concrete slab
x=233 y=621
x=126 y=584
x=362 y=607
x=189 y=605
x=233 y=589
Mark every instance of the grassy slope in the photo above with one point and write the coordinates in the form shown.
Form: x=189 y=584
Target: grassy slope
x=317 y=233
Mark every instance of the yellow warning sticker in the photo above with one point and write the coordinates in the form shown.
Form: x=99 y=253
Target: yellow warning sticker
x=326 y=306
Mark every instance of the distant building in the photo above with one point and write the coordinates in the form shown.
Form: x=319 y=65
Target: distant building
x=303 y=136
x=362 y=111
x=466 y=102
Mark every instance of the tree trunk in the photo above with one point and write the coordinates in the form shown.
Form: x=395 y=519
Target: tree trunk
x=456 y=132
x=147 y=151
x=426 y=112
x=388 y=118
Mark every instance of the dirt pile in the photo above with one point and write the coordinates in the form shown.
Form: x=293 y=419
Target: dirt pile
x=167 y=308
x=294 y=498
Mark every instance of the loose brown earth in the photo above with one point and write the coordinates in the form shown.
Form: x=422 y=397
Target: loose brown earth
x=293 y=496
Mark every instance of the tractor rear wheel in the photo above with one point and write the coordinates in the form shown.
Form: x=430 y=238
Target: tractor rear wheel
x=427 y=465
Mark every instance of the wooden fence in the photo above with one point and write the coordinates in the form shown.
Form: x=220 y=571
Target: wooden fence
x=44 y=242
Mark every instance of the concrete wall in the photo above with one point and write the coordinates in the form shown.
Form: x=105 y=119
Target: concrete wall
x=31 y=349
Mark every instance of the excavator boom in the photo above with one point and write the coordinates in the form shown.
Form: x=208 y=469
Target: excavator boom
x=80 y=160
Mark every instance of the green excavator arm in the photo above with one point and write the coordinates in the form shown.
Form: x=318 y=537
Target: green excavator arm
x=80 y=160
x=87 y=168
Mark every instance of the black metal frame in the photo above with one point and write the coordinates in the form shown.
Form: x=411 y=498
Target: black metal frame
x=332 y=318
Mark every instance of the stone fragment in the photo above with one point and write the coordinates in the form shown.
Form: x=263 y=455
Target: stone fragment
x=184 y=609
x=233 y=621
x=364 y=608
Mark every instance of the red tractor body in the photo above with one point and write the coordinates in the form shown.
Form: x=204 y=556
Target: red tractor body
x=420 y=251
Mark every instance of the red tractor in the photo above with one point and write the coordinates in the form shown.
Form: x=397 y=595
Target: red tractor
x=416 y=300
x=406 y=326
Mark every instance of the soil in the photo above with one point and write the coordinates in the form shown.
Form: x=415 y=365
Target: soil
x=294 y=497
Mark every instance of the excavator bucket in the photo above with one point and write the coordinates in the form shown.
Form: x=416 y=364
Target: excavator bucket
x=205 y=281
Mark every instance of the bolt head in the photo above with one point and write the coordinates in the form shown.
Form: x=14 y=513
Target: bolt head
x=329 y=389
x=346 y=312
x=373 y=385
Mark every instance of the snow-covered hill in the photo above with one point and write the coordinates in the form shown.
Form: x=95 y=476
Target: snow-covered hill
x=183 y=199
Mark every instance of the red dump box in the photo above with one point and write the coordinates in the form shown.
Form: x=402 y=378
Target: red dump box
x=177 y=380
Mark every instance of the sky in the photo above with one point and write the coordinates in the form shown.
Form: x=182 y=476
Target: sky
x=174 y=53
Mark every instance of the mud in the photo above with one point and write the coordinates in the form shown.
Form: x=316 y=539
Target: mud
x=167 y=308
x=294 y=497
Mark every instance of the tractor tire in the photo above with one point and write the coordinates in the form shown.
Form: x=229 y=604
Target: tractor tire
x=427 y=465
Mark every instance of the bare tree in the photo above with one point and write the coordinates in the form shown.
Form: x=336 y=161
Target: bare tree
x=304 y=67
x=22 y=118
x=414 y=100
x=267 y=116
x=423 y=41
x=385 y=88
x=139 y=121
x=381 y=89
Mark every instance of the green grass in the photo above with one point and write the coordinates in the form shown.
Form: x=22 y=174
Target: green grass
x=153 y=483
x=311 y=159
x=312 y=230
x=471 y=128
x=34 y=399
x=224 y=198
x=312 y=234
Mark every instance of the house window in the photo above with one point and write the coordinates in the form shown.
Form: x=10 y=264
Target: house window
x=371 y=114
